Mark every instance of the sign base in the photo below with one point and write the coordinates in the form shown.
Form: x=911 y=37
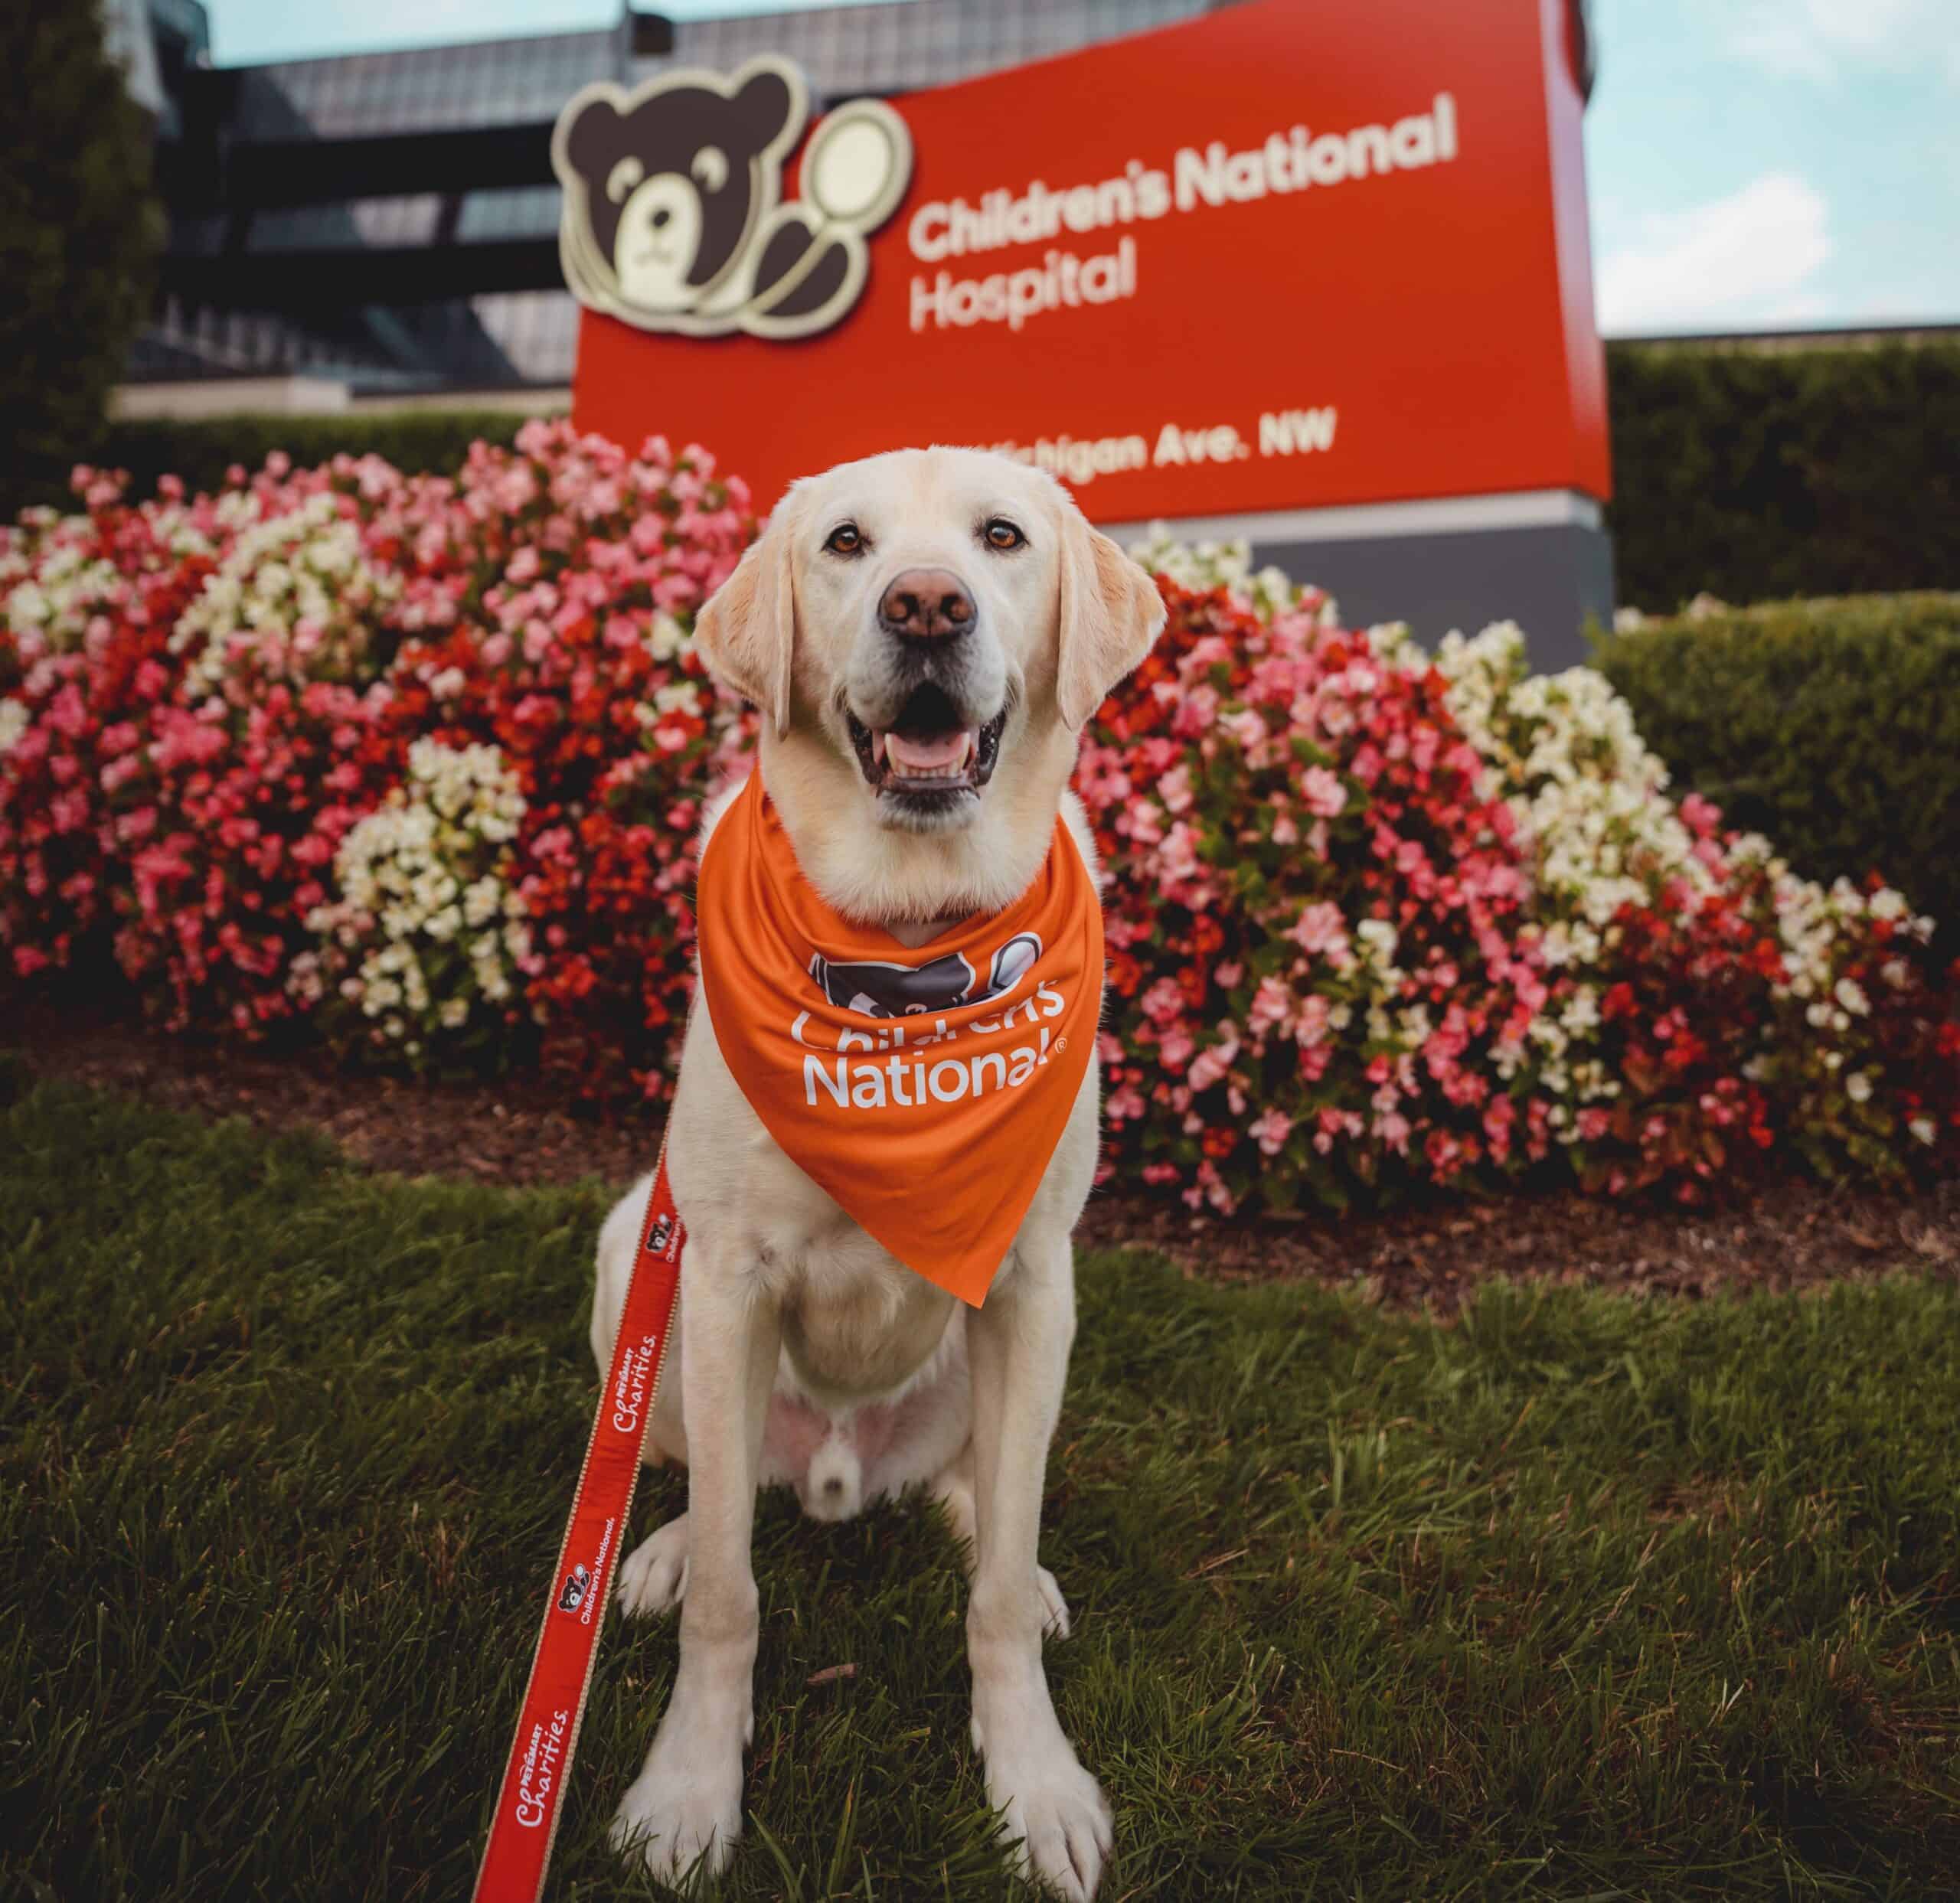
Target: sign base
x=1542 y=558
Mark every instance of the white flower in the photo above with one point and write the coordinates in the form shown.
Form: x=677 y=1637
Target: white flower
x=666 y=637
x=481 y=901
x=1850 y=995
x=1582 y=1014
x=1923 y=1128
x=1548 y=1032
x=13 y=722
x=1380 y=937
x=1857 y=1087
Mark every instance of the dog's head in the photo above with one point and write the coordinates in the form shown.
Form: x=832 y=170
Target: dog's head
x=939 y=622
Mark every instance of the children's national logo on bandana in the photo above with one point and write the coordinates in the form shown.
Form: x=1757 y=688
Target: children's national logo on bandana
x=924 y=1090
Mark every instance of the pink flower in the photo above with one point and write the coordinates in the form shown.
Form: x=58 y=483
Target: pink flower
x=1320 y=928
x=1323 y=793
x=1247 y=728
x=1270 y=1131
x=1699 y=815
x=1213 y=1063
x=1272 y=1008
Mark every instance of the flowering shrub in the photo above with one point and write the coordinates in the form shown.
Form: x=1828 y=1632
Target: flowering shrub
x=203 y=699
x=416 y=764
x=1503 y=946
x=1314 y=918
x=552 y=616
x=1728 y=995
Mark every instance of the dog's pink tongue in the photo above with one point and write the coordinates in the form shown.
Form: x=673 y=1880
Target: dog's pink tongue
x=925 y=753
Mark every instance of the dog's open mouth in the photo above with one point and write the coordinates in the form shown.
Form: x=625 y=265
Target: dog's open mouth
x=926 y=753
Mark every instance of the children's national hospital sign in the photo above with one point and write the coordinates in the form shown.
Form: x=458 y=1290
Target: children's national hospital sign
x=1283 y=256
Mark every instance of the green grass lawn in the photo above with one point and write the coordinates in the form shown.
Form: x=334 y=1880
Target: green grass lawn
x=1577 y=1598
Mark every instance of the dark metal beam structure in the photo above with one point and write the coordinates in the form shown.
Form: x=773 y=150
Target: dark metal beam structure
x=313 y=280
x=275 y=174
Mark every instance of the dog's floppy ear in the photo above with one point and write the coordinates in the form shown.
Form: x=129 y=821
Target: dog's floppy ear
x=1111 y=612
x=747 y=629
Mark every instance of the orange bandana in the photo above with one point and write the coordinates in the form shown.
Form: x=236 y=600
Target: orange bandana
x=924 y=1090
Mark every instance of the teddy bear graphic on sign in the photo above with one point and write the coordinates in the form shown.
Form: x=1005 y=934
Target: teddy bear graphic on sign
x=674 y=216
x=874 y=989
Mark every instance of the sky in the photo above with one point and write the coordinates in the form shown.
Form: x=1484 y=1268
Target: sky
x=1752 y=164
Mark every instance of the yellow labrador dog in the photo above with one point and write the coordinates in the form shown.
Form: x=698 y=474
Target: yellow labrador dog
x=925 y=633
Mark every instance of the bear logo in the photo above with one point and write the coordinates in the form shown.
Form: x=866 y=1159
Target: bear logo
x=874 y=989
x=578 y=1582
x=674 y=216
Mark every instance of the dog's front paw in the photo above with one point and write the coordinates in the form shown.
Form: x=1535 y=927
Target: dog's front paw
x=653 y=1577
x=684 y=1808
x=1054 y=1813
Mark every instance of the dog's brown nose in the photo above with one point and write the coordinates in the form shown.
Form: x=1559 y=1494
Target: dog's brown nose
x=924 y=604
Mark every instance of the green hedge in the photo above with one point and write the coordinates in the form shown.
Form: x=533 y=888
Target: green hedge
x=1757 y=475
x=202 y=451
x=1833 y=726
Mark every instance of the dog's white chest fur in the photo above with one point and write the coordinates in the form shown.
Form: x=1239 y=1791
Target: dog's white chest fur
x=871 y=1394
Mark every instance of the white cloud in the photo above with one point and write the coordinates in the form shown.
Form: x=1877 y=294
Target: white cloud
x=1747 y=258
x=1818 y=39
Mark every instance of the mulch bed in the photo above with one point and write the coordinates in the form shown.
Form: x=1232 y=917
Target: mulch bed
x=1790 y=1234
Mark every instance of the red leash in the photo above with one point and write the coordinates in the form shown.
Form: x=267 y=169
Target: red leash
x=525 y=1826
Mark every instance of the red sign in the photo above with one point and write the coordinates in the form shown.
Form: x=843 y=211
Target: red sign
x=1282 y=256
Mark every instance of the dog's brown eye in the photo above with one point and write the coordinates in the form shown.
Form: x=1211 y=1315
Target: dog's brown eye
x=845 y=539
x=1001 y=533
